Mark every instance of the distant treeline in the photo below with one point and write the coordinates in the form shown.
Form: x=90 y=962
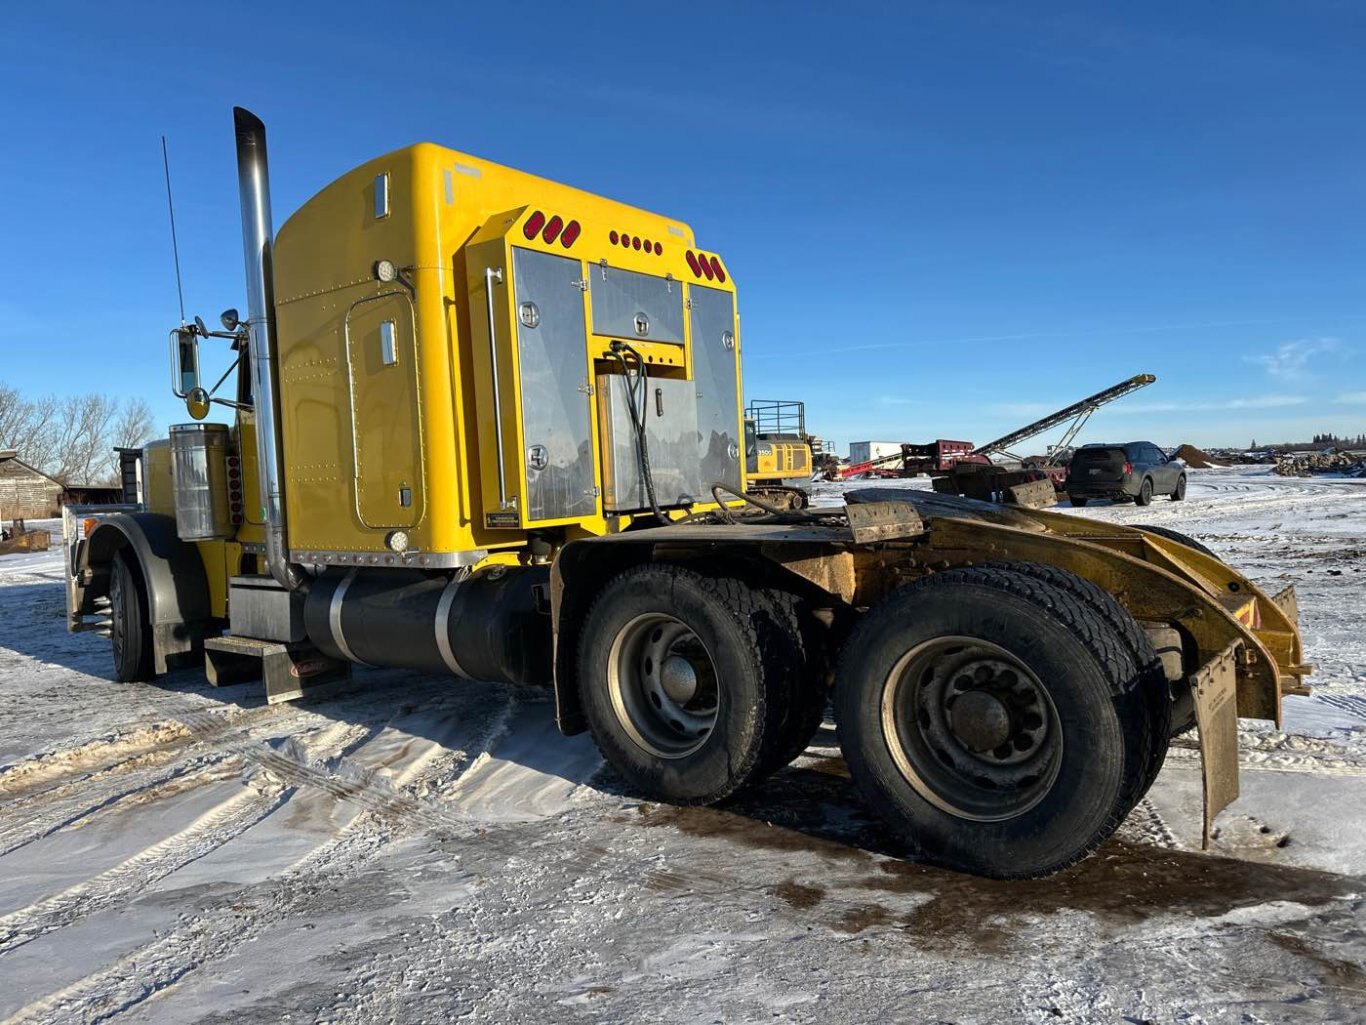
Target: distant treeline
x=1320 y=441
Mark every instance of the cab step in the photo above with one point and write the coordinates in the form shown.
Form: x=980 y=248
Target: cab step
x=289 y=670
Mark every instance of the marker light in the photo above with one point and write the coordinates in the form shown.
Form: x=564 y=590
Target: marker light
x=716 y=266
x=570 y=235
x=552 y=229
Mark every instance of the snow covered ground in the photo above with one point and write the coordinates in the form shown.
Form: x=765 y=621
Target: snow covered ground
x=426 y=850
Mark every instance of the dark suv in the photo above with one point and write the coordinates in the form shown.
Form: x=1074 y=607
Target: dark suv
x=1137 y=470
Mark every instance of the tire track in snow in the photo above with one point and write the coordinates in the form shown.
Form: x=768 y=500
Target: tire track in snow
x=140 y=773
x=389 y=809
x=1347 y=702
x=115 y=886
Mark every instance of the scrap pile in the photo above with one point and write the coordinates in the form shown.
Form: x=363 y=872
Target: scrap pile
x=1306 y=465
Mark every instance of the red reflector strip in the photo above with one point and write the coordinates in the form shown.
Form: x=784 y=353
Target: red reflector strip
x=707 y=272
x=716 y=266
x=693 y=264
x=570 y=235
x=552 y=229
x=533 y=225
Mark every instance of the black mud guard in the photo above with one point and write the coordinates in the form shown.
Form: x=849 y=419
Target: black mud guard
x=172 y=572
x=580 y=570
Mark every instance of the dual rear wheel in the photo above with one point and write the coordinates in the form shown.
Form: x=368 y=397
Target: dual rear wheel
x=1002 y=719
x=694 y=686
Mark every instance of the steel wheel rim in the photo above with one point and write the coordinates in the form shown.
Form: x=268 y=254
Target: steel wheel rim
x=664 y=686
x=993 y=760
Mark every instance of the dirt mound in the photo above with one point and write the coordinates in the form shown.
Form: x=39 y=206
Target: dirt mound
x=1194 y=458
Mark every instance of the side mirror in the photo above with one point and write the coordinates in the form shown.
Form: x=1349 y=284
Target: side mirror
x=184 y=361
x=230 y=319
x=197 y=403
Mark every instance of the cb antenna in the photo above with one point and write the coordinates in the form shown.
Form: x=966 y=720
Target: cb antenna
x=175 y=248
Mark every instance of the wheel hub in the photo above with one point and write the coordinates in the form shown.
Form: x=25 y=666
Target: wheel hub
x=664 y=685
x=678 y=678
x=980 y=720
x=971 y=728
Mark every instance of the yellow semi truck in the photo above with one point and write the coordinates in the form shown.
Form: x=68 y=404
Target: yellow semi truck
x=486 y=425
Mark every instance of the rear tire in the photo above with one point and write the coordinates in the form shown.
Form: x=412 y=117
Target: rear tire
x=130 y=625
x=799 y=685
x=1146 y=669
x=672 y=680
x=1035 y=776
x=1180 y=492
x=1145 y=492
x=1077 y=501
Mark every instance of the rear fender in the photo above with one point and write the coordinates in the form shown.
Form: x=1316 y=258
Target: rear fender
x=1156 y=580
x=173 y=577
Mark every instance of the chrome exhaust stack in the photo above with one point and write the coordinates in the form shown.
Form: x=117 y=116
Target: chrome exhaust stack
x=253 y=183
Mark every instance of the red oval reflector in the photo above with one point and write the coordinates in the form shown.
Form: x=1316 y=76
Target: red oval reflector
x=533 y=225
x=552 y=229
x=649 y=246
x=614 y=237
x=570 y=235
x=659 y=250
x=635 y=242
x=707 y=272
x=716 y=266
x=693 y=265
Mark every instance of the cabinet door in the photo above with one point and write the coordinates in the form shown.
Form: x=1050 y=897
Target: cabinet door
x=386 y=430
x=552 y=360
x=716 y=369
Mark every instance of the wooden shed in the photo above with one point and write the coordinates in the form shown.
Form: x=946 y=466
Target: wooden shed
x=26 y=493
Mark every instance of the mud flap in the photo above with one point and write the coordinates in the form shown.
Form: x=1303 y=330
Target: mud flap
x=1036 y=494
x=1215 y=687
x=883 y=521
x=1287 y=602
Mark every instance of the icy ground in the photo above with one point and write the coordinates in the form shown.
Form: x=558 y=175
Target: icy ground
x=426 y=850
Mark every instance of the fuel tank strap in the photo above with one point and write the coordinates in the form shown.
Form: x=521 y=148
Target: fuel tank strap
x=443 y=633
x=334 y=617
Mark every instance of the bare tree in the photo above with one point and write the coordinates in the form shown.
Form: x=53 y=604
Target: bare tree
x=84 y=423
x=29 y=425
x=13 y=411
x=133 y=428
x=73 y=439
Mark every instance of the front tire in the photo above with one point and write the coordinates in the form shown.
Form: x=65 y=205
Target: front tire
x=672 y=681
x=993 y=719
x=130 y=629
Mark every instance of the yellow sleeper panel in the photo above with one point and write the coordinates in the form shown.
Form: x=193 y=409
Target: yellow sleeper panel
x=360 y=436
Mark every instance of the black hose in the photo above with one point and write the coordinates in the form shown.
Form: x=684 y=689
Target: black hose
x=773 y=514
x=639 y=419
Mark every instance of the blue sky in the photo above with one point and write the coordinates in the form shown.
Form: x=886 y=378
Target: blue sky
x=943 y=218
